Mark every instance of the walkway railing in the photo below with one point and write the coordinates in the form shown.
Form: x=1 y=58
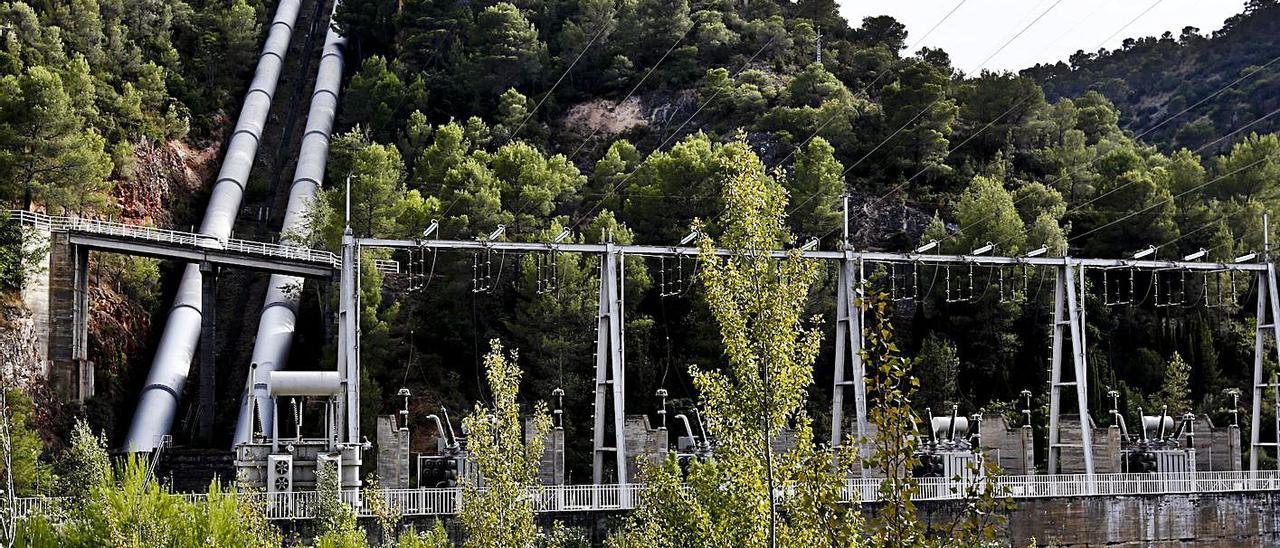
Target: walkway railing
x=590 y=498
x=180 y=238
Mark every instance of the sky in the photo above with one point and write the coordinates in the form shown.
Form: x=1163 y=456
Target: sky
x=979 y=27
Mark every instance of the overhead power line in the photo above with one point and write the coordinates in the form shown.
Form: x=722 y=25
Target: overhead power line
x=614 y=189
x=633 y=89
x=558 y=80
x=940 y=99
x=1073 y=171
x=1170 y=199
x=881 y=74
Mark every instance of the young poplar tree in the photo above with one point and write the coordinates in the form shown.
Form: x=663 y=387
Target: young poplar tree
x=734 y=498
x=500 y=514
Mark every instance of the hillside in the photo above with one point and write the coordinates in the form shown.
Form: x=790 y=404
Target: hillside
x=616 y=119
x=621 y=120
x=1150 y=79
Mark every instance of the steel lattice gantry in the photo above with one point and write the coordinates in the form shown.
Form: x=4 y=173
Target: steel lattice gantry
x=1068 y=332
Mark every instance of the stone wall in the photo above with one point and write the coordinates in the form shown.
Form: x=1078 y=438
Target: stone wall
x=1217 y=447
x=1236 y=520
x=393 y=453
x=1013 y=448
x=35 y=292
x=643 y=442
x=1227 y=519
x=1106 y=448
x=551 y=466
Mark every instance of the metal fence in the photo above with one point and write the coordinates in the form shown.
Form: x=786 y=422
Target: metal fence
x=179 y=238
x=302 y=505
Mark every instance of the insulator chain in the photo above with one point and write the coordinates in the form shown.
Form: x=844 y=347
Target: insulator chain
x=547 y=272
x=482 y=272
x=1219 y=290
x=904 y=287
x=673 y=285
x=959 y=290
x=1170 y=288
x=1219 y=293
x=1124 y=292
x=418 y=274
x=1008 y=290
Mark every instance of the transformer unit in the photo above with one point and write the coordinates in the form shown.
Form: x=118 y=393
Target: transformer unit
x=282 y=462
x=950 y=450
x=439 y=471
x=1158 y=447
x=690 y=447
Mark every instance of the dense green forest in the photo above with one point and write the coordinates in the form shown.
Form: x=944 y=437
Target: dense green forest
x=100 y=103
x=1149 y=79
x=619 y=119
x=85 y=82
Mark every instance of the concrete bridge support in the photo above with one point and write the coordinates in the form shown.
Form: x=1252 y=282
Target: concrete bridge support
x=70 y=371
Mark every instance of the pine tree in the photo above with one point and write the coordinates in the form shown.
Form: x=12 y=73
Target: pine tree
x=1175 y=393
x=986 y=213
x=48 y=156
x=816 y=186
x=506 y=52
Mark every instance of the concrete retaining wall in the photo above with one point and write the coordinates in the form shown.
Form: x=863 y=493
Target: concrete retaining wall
x=1227 y=519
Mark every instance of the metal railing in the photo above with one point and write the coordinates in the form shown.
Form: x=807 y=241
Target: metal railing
x=302 y=505
x=179 y=238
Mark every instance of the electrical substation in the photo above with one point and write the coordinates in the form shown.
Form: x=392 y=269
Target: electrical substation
x=951 y=443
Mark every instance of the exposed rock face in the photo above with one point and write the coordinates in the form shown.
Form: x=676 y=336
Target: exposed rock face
x=602 y=118
x=163 y=174
x=20 y=346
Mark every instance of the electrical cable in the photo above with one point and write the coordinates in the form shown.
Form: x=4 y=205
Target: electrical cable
x=1213 y=222
x=1096 y=159
x=873 y=82
x=1006 y=112
x=971 y=137
x=633 y=89
x=674 y=134
x=1169 y=199
x=940 y=99
x=558 y=80
x=900 y=186
x=1198 y=150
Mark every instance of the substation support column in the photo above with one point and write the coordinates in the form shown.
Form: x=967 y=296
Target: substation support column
x=1068 y=321
x=349 y=341
x=1268 y=312
x=610 y=372
x=206 y=407
x=850 y=372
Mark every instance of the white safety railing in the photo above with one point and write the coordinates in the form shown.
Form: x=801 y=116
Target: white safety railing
x=302 y=505
x=179 y=238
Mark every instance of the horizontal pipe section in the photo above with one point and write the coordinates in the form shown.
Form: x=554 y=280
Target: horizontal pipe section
x=279 y=312
x=879 y=257
x=304 y=383
x=159 y=400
